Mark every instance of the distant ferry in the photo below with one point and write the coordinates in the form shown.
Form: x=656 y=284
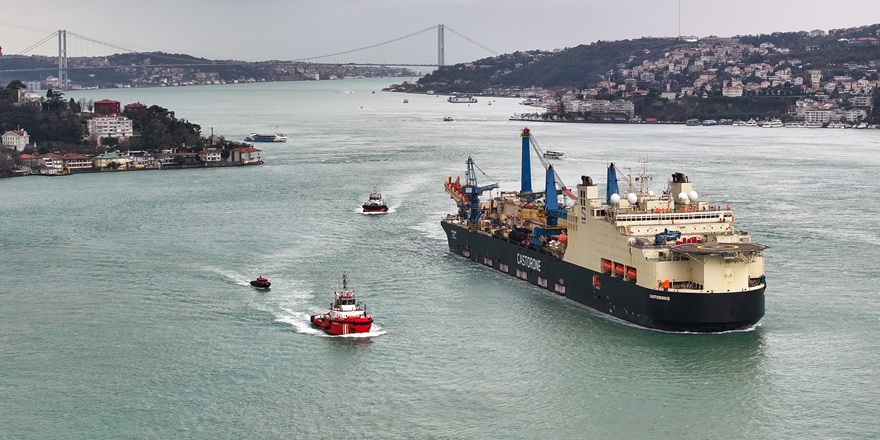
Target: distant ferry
x=550 y=154
x=461 y=99
x=274 y=137
x=773 y=123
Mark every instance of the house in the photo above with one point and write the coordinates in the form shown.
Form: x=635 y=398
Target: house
x=211 y=156
x=245 y=155
x=16 y=139
x=106 y=107
x=137 y=109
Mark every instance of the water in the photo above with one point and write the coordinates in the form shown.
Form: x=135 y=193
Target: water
x=126 y=311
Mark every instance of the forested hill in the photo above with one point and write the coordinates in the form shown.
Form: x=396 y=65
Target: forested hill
x=588 y=64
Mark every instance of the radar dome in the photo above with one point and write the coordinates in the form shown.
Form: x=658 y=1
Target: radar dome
x=682 y=197
x=632 y=198
x=693 y=196
x=650 y=193
x=615 y=199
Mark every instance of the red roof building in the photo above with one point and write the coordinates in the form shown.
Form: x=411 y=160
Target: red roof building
x=136 y=108
x=107 y=107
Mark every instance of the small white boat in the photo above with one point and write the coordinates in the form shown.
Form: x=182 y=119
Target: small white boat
x=468 y=99
x=550 y=154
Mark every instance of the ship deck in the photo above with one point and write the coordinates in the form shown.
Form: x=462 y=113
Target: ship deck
x=719 y=248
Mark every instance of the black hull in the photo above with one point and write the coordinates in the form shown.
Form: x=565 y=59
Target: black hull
x=655 y=309
x=368 y=208
x=260 y=285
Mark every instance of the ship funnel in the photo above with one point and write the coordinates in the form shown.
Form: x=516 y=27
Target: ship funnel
x=611 y=184
x=526 y=177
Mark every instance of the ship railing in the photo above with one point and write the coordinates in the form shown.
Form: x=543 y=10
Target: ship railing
x=619 y=218
x=686 y=285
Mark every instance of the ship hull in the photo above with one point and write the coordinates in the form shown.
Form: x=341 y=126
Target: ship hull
x=650 y=308
x=339 y=327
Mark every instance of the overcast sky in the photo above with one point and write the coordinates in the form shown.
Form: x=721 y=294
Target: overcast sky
x=258 y=30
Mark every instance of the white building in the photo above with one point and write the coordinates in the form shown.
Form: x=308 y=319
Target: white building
x=110 y=126
x=622 y=106
x=16 y=139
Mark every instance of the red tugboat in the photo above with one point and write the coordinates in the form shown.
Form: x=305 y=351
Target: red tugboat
x=346 y=316
x=261 y=283
x=376 y=204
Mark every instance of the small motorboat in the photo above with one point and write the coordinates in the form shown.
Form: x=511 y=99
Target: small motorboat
x=448 y=119
x=261 y=283
x=375 y=204
x=346 y=316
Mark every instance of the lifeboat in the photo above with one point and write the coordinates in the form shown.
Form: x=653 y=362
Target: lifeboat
x=632 y=273
x=619 y=269
x=606 y=266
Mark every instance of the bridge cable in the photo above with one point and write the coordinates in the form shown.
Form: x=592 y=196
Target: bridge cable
x=472 y=41
x=29 y=48
x=368 y=47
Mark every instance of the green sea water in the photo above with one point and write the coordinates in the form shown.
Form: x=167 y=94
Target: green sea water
x=125 y=310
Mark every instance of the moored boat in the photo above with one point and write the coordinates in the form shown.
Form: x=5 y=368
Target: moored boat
x=346 y=315
x=671 y=261
x=375 y=204
x=261 y=283
x=773 y=123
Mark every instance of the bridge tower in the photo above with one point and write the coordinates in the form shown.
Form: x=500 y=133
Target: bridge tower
x=440 y=45
x=62 y=60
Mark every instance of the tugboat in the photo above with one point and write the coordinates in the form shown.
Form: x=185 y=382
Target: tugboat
x=376 y=204
x=346 y=315
x=261 y=283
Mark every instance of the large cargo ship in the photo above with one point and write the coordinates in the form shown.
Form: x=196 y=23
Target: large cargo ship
x=666 y=261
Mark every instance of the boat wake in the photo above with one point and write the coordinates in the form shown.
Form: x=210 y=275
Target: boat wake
x=361 y=211
x=429 y=227
x=238 y=279
x=301 y=323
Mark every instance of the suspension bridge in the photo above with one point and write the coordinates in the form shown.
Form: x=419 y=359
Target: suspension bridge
x=425 y=48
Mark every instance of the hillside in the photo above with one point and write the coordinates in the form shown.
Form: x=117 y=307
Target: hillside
x=587 y=65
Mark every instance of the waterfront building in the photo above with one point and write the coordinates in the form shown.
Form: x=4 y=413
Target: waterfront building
x=245 y=155
x=76 y=161
x=211 y=156
x=104 y=160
